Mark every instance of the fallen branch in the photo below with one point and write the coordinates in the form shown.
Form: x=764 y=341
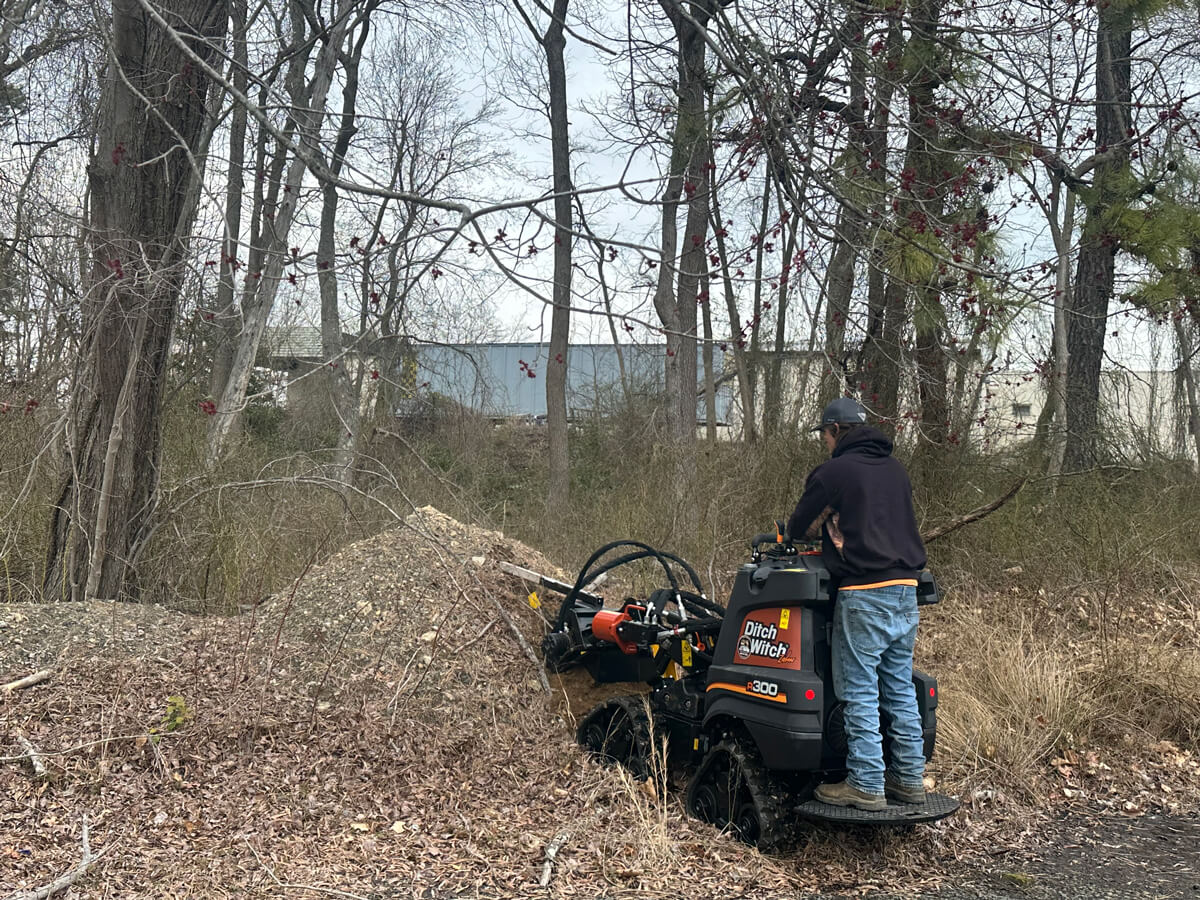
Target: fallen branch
x=97 y=743
x=552 y=851
x=34 y=757
x=69 y=878
x=976 y=514
x=27 y=681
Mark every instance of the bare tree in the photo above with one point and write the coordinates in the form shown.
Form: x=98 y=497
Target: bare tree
x=553 y=41
x=681 y=267
x=145 y=178
x=308 y=94
x=1087 y=321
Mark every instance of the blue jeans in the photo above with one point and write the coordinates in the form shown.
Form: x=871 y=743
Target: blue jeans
x=873 y=636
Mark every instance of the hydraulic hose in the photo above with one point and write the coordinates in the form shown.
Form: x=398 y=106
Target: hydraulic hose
x=644 y=551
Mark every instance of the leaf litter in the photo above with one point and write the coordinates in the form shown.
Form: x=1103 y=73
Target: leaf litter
x=379 y=730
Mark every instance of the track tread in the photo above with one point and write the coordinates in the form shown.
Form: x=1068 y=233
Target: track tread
x=772 y=800
x=633 y=707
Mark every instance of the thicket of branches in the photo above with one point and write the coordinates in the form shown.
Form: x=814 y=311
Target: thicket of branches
x=894 y=200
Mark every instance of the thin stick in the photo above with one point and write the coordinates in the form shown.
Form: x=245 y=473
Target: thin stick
x=975 y=514
x=27 y=681
x=35 y=758
x=552 y=851
x=97 y=743
x=69 y=878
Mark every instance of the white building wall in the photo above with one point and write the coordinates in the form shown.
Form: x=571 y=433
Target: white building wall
x=1142 y=413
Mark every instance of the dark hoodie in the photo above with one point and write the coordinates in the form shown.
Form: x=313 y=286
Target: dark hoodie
x=861 y=503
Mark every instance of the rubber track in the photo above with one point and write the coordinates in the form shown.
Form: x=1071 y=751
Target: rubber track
x=772 y=799
x=634 y=707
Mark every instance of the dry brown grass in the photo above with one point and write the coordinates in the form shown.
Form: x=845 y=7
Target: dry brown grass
x=1025 y=697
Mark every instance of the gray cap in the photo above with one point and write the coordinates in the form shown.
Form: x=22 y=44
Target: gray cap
x=842 y=411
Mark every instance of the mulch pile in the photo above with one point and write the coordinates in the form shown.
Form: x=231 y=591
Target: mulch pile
x=377 y=731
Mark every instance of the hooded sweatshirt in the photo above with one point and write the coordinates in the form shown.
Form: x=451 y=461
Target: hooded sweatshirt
x=860 y=502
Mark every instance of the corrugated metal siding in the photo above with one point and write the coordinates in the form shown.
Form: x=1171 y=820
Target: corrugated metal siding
x=509 y=379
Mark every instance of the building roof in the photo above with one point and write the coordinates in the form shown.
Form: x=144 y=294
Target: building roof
x=295 y=343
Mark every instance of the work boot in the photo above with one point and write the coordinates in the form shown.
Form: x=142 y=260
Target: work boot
x=845 y=794
x=902 y=793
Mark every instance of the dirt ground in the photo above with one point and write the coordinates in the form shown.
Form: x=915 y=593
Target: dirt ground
x=381 y=731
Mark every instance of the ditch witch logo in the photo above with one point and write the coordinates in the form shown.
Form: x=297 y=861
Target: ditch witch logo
x=761 y=639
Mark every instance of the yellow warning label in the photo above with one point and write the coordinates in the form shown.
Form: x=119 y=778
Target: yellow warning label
x=534 y=602
x=784 y=615
x=685 y=650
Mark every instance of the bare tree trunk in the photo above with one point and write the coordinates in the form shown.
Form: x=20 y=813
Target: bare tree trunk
x=342 y=394
x=921 y=157
x=263 y=283
x=1096 y=272
x=225 y=315
x=710 y=383
x=144 y=190
x=756 y=314
x=879 y=369
x=848 y=235
x=1063 y=236
x=553 y=42
x=837 y=308
x=737 y=341
x=676 y=302
x=773 y=406
x=1187 y=368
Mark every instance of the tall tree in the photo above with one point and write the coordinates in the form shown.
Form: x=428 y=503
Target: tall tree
x=1087 y=321
x=308 y=94
x=681 y=268
x=144 y=180
x=343 y=391
x=553 y=41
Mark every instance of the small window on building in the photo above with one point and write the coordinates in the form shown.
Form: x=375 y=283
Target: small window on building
x=1021 y=410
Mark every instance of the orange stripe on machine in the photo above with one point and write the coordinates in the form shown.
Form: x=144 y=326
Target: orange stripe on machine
x=767 y=690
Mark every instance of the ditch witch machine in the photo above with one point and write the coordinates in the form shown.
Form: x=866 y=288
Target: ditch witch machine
x=742 y=697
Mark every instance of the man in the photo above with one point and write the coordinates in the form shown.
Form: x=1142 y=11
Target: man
x=860 y=503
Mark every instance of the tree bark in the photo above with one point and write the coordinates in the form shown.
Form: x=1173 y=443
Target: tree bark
x=848 y=235
x=675 y=299
x=553 y=41
x=1187 y=369
x=262 y=280
x=144 y=179
x=1096 y=268
x=343 y=396
x=773 y=405
x=737 y=341
x=225 y=315
x=879 y=369
x=924 y=203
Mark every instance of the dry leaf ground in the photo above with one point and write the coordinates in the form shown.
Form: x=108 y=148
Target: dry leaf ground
x=379 y=731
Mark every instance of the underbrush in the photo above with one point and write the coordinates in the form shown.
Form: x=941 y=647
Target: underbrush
x=1025 y=691
x=1068 y=625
